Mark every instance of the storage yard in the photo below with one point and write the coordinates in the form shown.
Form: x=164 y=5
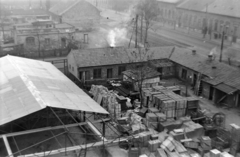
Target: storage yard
x=111 y=121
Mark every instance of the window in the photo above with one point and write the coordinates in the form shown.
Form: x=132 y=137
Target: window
x=97 y=73
x=109 y=73
x=121 y=69
x=87 y=75
x=72 y=68
x=216 y=25
x=85 y=38
x=69 y=66
x=47 y=41
x=80 y=75
x=84 y=75
x=30 y=41
x=184 y=74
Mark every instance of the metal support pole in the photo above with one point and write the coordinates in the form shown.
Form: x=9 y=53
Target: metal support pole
x=84 y=116
x=103 y=128
x=136 y=31
x=65 y=144
x=222 y=44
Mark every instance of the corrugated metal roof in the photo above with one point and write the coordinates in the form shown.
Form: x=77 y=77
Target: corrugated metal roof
x=225 y=88
x=27 y=86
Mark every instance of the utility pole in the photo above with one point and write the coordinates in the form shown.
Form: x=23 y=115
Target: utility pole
x=222 y=44
x=141 y=28
x=136 y=31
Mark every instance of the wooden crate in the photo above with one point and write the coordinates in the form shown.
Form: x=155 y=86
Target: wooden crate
x=215 y=153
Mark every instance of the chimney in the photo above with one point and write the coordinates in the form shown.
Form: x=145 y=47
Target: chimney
x=193 y=52
x=210 y=57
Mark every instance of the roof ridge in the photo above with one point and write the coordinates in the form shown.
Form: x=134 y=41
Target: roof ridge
x=75 y=3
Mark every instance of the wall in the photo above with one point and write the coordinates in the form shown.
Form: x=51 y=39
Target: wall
x=104 y=71
x=55 y=41
x=206 y=90
x=83 y=13
x=72 y=66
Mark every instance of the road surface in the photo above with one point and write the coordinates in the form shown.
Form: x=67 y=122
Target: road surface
x=163 y=36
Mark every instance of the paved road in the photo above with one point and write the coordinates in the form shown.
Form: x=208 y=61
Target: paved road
x=163 y=36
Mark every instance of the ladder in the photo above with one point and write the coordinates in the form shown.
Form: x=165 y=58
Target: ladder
x=198 y=90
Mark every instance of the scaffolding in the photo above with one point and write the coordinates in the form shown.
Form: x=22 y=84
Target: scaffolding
x=79 y=149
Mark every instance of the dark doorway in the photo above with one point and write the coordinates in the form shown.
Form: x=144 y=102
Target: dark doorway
x=211 y=93
x=64 y=42
x=194 y=79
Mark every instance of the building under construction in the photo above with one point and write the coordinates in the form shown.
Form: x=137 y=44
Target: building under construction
x=43 y=113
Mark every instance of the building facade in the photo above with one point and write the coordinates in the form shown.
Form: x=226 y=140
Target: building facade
x=43 y=36
x=207 y=77
x=209 y=17
x=80 y=11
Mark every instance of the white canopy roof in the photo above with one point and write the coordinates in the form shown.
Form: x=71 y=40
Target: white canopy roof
x=28 y=85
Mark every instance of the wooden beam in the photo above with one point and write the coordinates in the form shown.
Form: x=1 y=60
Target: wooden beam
x=73 y=148
x=95 y=130
x=49 y=128
x=7 y=146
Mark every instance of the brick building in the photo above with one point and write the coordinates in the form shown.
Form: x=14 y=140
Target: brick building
x=208 y=77
x=41 y=36
x=168 y=11
x=209 y=17
x=98 y=65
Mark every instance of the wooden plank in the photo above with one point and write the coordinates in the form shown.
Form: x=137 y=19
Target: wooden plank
x=73 y=148
x=7 y=146
x=50 y=128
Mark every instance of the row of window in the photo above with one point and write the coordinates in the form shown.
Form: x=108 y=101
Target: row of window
x=97 y=73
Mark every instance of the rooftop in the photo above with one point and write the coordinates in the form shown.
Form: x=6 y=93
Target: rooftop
x=227 y=8
x=64 y=6
x=215 y=71
x=26 y=12
x=27 y=86
x=172 y=1
x=196 y=5
x=116 y=55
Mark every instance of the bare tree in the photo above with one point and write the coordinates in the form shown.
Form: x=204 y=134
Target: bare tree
x=140 y=71
x=149 y=12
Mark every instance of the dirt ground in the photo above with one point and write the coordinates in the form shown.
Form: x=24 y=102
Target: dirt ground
x=232 y=115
